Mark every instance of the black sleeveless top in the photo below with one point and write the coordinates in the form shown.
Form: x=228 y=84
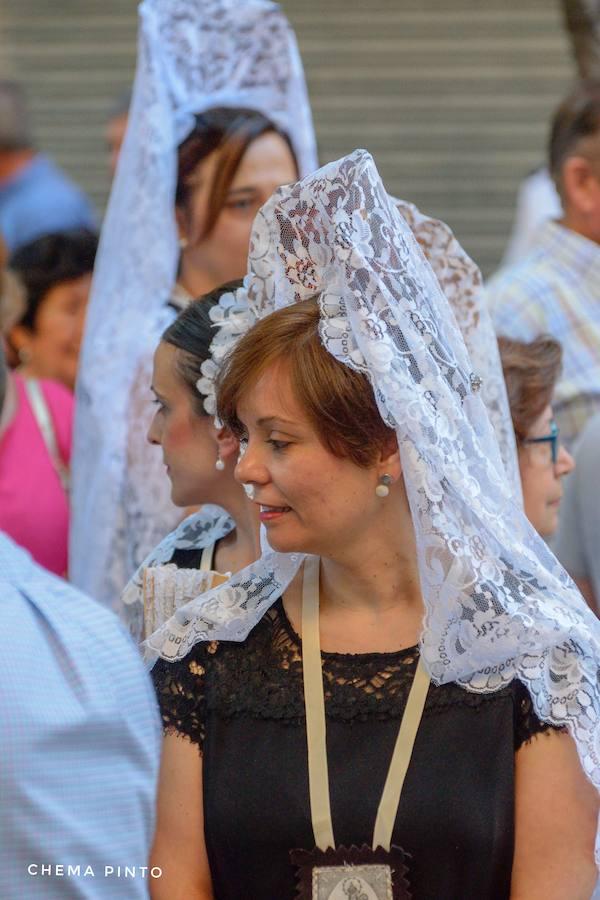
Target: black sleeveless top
x=243 y=705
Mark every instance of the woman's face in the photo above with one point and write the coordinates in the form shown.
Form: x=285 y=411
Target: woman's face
x=308 y=497
x=223 y=254
x=51 y=349
x=541 y=478
x=188 y=440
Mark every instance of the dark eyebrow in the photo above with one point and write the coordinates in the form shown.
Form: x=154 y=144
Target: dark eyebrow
x=241 y=190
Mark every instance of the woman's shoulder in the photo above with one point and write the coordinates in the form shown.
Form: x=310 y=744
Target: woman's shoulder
x=192 y=535
x=196 y=532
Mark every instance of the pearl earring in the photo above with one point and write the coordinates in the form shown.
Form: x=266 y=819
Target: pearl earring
x=183 y=242
x=383 y=489
x=219 y=465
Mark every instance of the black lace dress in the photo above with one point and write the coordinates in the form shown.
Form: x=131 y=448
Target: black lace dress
x=242 y=704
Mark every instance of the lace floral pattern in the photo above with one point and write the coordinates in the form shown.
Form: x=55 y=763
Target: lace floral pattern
x=498 y=604
x=196 y=532
x=263 y=680
x=459 y=279
x=192 y=55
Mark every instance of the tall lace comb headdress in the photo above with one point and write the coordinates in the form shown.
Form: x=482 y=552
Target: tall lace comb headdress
x=193 y=55
x=498 y=604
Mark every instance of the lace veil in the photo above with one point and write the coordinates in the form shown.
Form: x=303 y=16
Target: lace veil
x=192 y=55
x=461 y=282
x=498 y=604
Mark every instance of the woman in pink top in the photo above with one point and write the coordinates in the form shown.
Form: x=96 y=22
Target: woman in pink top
x=34 y=507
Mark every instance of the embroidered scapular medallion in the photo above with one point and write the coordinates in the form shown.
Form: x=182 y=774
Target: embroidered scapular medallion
x=351 y=873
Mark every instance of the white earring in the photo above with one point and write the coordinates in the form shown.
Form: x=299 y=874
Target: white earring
x=183 y=242
x=219 y=465
x=383 y=488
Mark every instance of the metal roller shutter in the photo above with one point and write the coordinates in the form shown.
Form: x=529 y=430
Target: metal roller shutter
x=452 y=98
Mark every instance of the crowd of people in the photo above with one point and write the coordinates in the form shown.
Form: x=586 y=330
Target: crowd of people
x=269 y=434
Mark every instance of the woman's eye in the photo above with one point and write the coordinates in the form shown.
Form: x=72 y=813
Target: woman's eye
x=156 y=402
x=279 y=445
x=241 y=205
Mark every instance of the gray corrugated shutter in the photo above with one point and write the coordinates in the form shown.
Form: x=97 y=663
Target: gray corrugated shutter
x=452 y=98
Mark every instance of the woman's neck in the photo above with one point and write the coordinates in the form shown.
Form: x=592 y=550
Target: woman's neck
x=369 y=590
x=240 y=547
x=378 y=576
x=195 y=281
x=8 y=411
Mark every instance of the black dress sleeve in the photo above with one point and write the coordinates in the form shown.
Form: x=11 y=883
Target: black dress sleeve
x=181 y=692
x=526 y=721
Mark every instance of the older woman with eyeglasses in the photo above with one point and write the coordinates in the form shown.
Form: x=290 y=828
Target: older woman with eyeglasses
x=531 y=371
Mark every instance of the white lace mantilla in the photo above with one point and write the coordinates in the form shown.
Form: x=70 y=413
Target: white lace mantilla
x=498 y=604
x=192 y=55
x=173 y=587
x=459 y=279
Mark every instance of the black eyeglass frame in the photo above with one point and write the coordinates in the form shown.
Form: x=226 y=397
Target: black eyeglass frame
x=551 y=439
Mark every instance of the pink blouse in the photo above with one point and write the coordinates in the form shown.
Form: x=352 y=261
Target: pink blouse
x=34 y=508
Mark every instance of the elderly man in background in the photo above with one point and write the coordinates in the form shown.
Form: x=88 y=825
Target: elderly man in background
x=556 y=288
x=36 y=197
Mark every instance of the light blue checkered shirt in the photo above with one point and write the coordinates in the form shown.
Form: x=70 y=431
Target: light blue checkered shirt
x=80 y=743
x=556 y=290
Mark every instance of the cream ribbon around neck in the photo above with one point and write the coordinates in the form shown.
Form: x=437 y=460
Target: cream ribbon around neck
x=314 y=701
x=206 y=560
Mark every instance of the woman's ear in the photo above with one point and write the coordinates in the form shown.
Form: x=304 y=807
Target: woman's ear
x=389 y=461
x=227 y=443
x=183 y=227
x=19 y=337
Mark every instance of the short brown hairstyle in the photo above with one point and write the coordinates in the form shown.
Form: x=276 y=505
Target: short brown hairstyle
x=339 y=401
x=531 y=371
x=577 y=118
x=230 y=131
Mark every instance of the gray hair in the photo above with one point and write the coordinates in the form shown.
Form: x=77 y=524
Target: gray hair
x=14 y=121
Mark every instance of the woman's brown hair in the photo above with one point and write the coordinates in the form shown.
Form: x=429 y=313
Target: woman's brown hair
x=339 y=402
x=230 y=132
x=531 y=370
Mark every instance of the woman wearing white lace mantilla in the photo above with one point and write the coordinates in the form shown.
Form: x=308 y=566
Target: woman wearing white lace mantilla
x=200 y=456
x=219 y=118
x=372 y=692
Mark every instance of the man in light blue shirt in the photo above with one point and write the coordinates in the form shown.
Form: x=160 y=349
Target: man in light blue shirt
x=36 y=197
x=555 y=289
x=79 y=741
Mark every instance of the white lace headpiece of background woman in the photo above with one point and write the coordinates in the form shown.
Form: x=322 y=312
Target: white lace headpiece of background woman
x=498 y=604
x=193 y=55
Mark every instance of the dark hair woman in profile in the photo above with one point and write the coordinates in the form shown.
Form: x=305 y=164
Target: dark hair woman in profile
x=219 y=118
